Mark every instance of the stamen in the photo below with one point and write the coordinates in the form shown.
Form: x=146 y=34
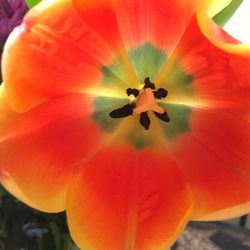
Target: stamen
x=144 y=120
x=145 y=102
x=148 y=84
x=164 y=117
x=134 y=92
x=160 y=93
x=124 y=111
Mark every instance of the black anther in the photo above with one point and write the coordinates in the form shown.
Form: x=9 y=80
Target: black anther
x=134 y=92
x=164 y=117
x=160 y=93
x=148 y=84
x=144 y=120
x=124 y=111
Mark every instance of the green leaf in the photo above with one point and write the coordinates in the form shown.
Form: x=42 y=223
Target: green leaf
x=223 y=17
x=32 y=3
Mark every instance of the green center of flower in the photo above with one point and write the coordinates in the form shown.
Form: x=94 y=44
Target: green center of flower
x=145 y=100
x=147 y=61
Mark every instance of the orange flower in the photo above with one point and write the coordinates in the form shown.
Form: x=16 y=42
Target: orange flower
x=133 y=115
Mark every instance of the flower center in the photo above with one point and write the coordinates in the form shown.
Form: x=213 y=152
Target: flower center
x=145 y=100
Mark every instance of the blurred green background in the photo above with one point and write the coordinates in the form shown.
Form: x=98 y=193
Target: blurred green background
x=23 y=228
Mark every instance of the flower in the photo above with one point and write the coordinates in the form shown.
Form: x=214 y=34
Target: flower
x=11 y=15
x=131 y=115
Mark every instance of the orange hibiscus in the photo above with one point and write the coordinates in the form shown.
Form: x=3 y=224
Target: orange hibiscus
x=131 y=115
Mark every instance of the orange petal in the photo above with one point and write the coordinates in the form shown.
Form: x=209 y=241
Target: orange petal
x=159 y=22
x=5 y=109
x=216 y=78
x=215 y=159
x=217 y=36
x=214 y=150
x=141 y=16
x=46 y=147
x=128 y=199
x=101 y=17
x=51 y=54
x=11 y=186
